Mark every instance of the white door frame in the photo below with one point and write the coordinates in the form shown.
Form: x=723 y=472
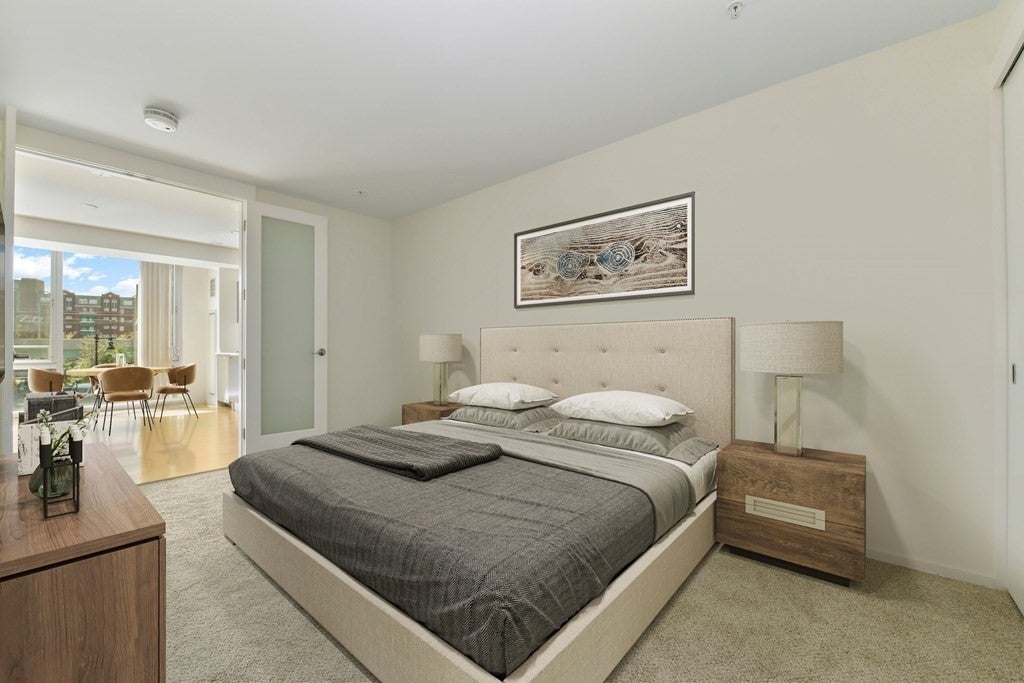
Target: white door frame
x=252 y=437
x=8 y=143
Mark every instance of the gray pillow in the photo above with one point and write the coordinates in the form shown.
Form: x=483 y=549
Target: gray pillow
x=653 y=440
x=499 y=417
x=692 y=450
x=544 y=426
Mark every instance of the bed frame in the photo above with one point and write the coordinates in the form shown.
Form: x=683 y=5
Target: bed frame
x=690 y=360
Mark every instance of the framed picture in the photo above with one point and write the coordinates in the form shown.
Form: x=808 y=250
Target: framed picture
x=640 y=251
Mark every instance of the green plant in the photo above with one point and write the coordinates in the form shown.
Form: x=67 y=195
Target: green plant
x=59 y=439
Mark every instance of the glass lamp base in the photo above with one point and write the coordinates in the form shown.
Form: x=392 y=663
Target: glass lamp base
x=788 y=431
x=440 y=384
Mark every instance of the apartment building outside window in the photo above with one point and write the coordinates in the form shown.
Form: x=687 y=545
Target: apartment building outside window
x=99 y=311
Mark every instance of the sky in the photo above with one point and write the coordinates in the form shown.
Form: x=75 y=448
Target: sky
x=83 y=273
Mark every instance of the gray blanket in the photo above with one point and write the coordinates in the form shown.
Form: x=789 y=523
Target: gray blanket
x=420 y=457
x=665 y=485
x=493 y=559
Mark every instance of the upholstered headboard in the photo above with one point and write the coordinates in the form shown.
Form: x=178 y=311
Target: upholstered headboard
x=690 y=361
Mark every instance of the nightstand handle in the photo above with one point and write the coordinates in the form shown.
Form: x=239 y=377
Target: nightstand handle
x=786 y=512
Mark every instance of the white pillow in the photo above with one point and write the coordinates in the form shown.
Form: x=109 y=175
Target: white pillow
x=623 y=407
x=506 y=395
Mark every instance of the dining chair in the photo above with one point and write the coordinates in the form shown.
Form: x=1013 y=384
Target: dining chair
x=133 y=384
x=48 y=381
x=94 y=382
x=179 y=377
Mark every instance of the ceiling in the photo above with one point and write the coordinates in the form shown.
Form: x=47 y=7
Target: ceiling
x=392 y=106
x=72 y=193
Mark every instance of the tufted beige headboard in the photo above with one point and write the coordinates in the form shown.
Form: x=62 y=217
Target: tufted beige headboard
x=690 y=361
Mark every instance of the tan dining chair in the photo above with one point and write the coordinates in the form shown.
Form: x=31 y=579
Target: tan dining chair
x=49 y=381
x=132 y=384
x=179 y=377
x=94 y=382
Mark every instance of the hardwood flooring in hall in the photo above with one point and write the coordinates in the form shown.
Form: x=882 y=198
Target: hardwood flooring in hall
x=179 y=445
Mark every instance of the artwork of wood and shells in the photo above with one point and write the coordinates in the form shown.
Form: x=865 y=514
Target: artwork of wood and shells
x=643 y=250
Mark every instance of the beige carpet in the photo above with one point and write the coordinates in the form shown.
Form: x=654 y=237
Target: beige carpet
x=735 y=619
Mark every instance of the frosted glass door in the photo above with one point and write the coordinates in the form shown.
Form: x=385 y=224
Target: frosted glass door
x=285 y=356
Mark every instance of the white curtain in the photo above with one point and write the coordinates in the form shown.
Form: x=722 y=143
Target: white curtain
x=155 y=317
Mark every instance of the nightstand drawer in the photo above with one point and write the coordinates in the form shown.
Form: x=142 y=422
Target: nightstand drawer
x=814 y=481
x=838 y=549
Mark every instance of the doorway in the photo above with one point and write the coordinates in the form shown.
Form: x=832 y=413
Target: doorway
x=88 y=221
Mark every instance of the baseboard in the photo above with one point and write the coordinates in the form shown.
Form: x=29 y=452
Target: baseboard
x=988 y=581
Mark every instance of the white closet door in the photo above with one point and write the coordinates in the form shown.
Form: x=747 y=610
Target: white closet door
x=1013 y=112
x=284 y=315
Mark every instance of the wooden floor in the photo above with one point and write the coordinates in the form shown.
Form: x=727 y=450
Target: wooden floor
x=179 y=445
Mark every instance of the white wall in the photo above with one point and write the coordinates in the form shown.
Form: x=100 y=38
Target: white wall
x=47 y=234
x=228 y=312
x=195 y=313
x=863 y=193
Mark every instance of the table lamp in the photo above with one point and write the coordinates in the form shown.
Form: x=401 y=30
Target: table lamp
x=441 y=349
x=790 y=350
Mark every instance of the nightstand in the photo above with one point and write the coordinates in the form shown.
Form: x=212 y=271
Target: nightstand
x=808 y=510
x=428 y=410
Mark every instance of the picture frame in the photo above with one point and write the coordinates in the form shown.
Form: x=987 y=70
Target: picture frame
x=639 y=251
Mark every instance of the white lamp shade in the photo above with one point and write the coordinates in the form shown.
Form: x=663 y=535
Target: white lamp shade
x=792 y=348
x=441 y=348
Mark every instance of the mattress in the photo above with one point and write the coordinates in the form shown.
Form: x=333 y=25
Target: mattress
x=493 y=559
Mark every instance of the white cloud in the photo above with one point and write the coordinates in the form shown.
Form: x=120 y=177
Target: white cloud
x=72 y=273
x=95 y=277
x=126 y=287
x=31 y=266
x=98 y=289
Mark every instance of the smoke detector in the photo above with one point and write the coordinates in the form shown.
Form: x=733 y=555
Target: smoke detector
x=735 y=9
x=163 y=121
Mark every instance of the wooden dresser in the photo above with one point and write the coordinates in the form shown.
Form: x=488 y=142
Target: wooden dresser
x=808 y=510
x=82 y=596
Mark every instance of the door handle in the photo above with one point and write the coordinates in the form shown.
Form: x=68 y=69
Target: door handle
x=320 y=352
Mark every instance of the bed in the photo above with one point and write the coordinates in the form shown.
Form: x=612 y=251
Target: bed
x=688 y=359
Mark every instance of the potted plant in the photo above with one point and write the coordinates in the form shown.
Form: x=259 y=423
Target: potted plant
x=60 y=442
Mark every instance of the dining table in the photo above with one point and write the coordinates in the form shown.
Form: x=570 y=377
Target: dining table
x=95 y=372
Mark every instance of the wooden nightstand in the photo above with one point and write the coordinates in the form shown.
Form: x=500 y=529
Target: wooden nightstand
x=808 y=510
x=428 y=410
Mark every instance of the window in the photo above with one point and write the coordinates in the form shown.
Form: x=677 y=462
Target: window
x=33 y=274
x=99 y=286
x=85 y=283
